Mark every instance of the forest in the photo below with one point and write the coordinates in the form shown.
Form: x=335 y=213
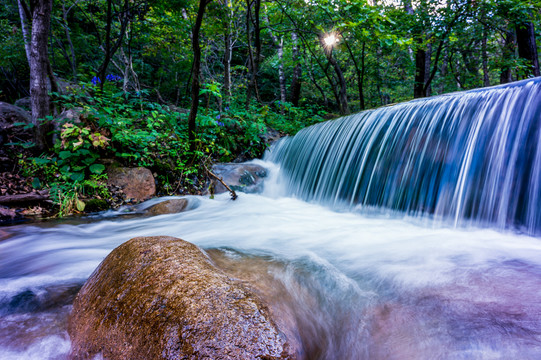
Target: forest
x=176 y=85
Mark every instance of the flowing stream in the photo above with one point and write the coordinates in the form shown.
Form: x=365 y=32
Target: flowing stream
x=365 y=253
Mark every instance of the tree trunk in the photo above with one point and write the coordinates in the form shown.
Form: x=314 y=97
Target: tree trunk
x=321 y=91
x=443 y=71
x=279 y=43
x=506 y=75
x=109 y=48
x=342 y=94
x=420 y=73
x=281 y=75
x=24 y=13
x=39 y=60
x=359 y=72
x=484 y=55
x=527 y=47
x=73 y=61
x=297 y=71
x=254 y=60
x=251 y=65
x=428 y=63
x=103 y=68
x=228 y=54
x=196 y=68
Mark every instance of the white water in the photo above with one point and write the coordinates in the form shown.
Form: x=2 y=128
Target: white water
x=472 y=156
x=361 y=287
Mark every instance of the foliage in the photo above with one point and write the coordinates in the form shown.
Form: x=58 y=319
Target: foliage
x=132 y=111
x=128 y=129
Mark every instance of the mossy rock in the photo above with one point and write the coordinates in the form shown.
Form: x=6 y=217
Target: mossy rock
x=95 y=205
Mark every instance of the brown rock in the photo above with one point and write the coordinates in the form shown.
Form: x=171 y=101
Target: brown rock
x=171 y=206
x=161 y=298
x=136 y=183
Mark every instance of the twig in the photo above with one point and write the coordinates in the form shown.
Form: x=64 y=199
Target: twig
x=231 y=191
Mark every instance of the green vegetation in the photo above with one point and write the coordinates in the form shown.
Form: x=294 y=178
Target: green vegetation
x=128 y=68
x=117 y=126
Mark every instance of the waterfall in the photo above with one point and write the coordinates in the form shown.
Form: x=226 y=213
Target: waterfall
x=472 y=156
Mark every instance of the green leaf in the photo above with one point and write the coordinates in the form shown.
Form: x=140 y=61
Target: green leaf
x=80 y=205
x=97 y=168
x=78 y=176
x=36 y=184
x=41 y=161
x=65 y=154
x=89 y=160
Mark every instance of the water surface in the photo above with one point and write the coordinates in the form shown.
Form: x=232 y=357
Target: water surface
x=356 y=285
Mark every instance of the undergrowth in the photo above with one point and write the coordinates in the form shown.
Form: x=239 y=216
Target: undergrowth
x=117 y=127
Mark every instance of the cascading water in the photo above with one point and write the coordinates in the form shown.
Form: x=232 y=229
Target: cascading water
x=473 y=156
x=375 y=287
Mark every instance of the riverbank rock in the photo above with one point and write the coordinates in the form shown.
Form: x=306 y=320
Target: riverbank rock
x=243 y=177
x=171 y=206
x=138 y=184
x=161 y=298
x=10 y=115
x=24 y=103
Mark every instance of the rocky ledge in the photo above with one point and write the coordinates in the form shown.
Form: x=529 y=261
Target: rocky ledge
x=161 y=298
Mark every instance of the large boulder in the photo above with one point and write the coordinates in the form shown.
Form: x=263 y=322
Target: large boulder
x=138 y=184
x=24 y=103
x=245 y=177
x=161 y=298
x=10 y=115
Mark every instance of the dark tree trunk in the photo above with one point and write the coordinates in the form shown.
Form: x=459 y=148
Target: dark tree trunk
x=250 y=53
x=506 y=75
x=361 y=80
x=342 y=94
x=297 y=71
x=428 y=63
x=39 y=62
x=196 y=69
x=73 y=59
x=484 y=55
x=527 y=47
x=107 y=59
x=279 y=43
x=228 y=53
x=110 y=48
x=420 y=74
x=359 y=71
x=321 y=91
x=254 y=60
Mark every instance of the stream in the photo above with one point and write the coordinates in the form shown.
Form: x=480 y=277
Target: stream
x=360 y=285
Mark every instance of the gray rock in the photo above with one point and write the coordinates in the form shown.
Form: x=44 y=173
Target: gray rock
x=24 y=103
x=10 y=115
x=70 y=115
x=243 y=177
